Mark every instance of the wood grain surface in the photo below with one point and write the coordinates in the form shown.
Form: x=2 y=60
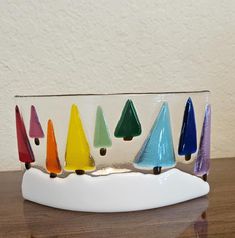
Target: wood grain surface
x=210 y=216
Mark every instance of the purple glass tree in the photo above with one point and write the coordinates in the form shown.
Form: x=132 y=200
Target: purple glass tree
x=202 y=163
x=35 y=130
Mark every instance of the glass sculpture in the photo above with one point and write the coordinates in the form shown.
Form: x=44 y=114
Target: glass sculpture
x=83 y=165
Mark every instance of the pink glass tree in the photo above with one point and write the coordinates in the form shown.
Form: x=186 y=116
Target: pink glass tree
x=35 y=130
x=202 y=164
x=24 y=148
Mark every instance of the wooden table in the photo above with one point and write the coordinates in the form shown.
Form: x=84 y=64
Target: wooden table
x=212 y=216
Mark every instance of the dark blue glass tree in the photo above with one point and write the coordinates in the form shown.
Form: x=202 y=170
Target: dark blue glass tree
x=188 y=135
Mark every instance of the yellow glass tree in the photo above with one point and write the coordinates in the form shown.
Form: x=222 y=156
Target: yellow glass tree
x=77 y=155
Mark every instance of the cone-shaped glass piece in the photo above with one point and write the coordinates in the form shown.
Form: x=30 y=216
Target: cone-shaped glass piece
x=52 y=159
x=202 y=163
x=24 y=148
x=35 y=130
x=158 y=149
x=101 y=137
x=128 y=125
x=188 y=135
x=77 y=155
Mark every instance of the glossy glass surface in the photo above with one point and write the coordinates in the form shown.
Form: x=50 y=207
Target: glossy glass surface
x=35 y=130
x=128 y=125
x=202 y=163
x=158 y=149
x=52 y=159
x=188 y=135
x=87 y=136
x=24 y=148
x=101 y=136
x=77 y=155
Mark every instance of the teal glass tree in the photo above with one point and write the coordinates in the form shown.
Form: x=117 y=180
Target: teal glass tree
x=102 y=138
x=128 y=125
x=158 y=150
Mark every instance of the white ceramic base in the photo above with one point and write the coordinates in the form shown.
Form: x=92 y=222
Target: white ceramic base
x=114 y=192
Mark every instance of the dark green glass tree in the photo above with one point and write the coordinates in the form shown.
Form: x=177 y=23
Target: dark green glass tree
x=128 y=125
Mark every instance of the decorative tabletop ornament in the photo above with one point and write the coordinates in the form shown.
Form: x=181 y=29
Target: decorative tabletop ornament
x=188 y=135
x=141 y=174
x=35 y=130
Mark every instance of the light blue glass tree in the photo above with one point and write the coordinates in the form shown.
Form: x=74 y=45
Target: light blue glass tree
x=158 y=150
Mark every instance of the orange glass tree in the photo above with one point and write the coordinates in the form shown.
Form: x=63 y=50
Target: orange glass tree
x=52 y=160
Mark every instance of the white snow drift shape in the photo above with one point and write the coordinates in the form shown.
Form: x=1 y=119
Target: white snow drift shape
x=114 y=192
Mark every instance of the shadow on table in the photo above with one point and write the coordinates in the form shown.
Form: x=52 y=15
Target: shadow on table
x=163 y=222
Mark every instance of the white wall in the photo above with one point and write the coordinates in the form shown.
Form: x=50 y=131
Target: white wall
x=49 y=47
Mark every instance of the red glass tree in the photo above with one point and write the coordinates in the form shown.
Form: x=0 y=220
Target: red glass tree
x=24 y=148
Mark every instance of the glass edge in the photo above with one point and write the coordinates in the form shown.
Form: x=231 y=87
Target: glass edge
x=109 y=94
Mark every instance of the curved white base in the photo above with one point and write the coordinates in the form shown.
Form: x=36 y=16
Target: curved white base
x=114 y=192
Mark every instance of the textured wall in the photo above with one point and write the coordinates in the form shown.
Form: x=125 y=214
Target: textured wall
x=118 y=46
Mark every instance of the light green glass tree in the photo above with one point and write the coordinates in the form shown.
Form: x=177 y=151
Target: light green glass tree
x=102 y=138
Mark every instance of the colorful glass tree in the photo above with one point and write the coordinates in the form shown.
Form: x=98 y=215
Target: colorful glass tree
x=202 y=163
x=77 y=155
x=188 y=135
x=35 y=130
x=52 y=160
x=24 y=148
x=128 y=125
x=101 y=136
x=158 y=150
